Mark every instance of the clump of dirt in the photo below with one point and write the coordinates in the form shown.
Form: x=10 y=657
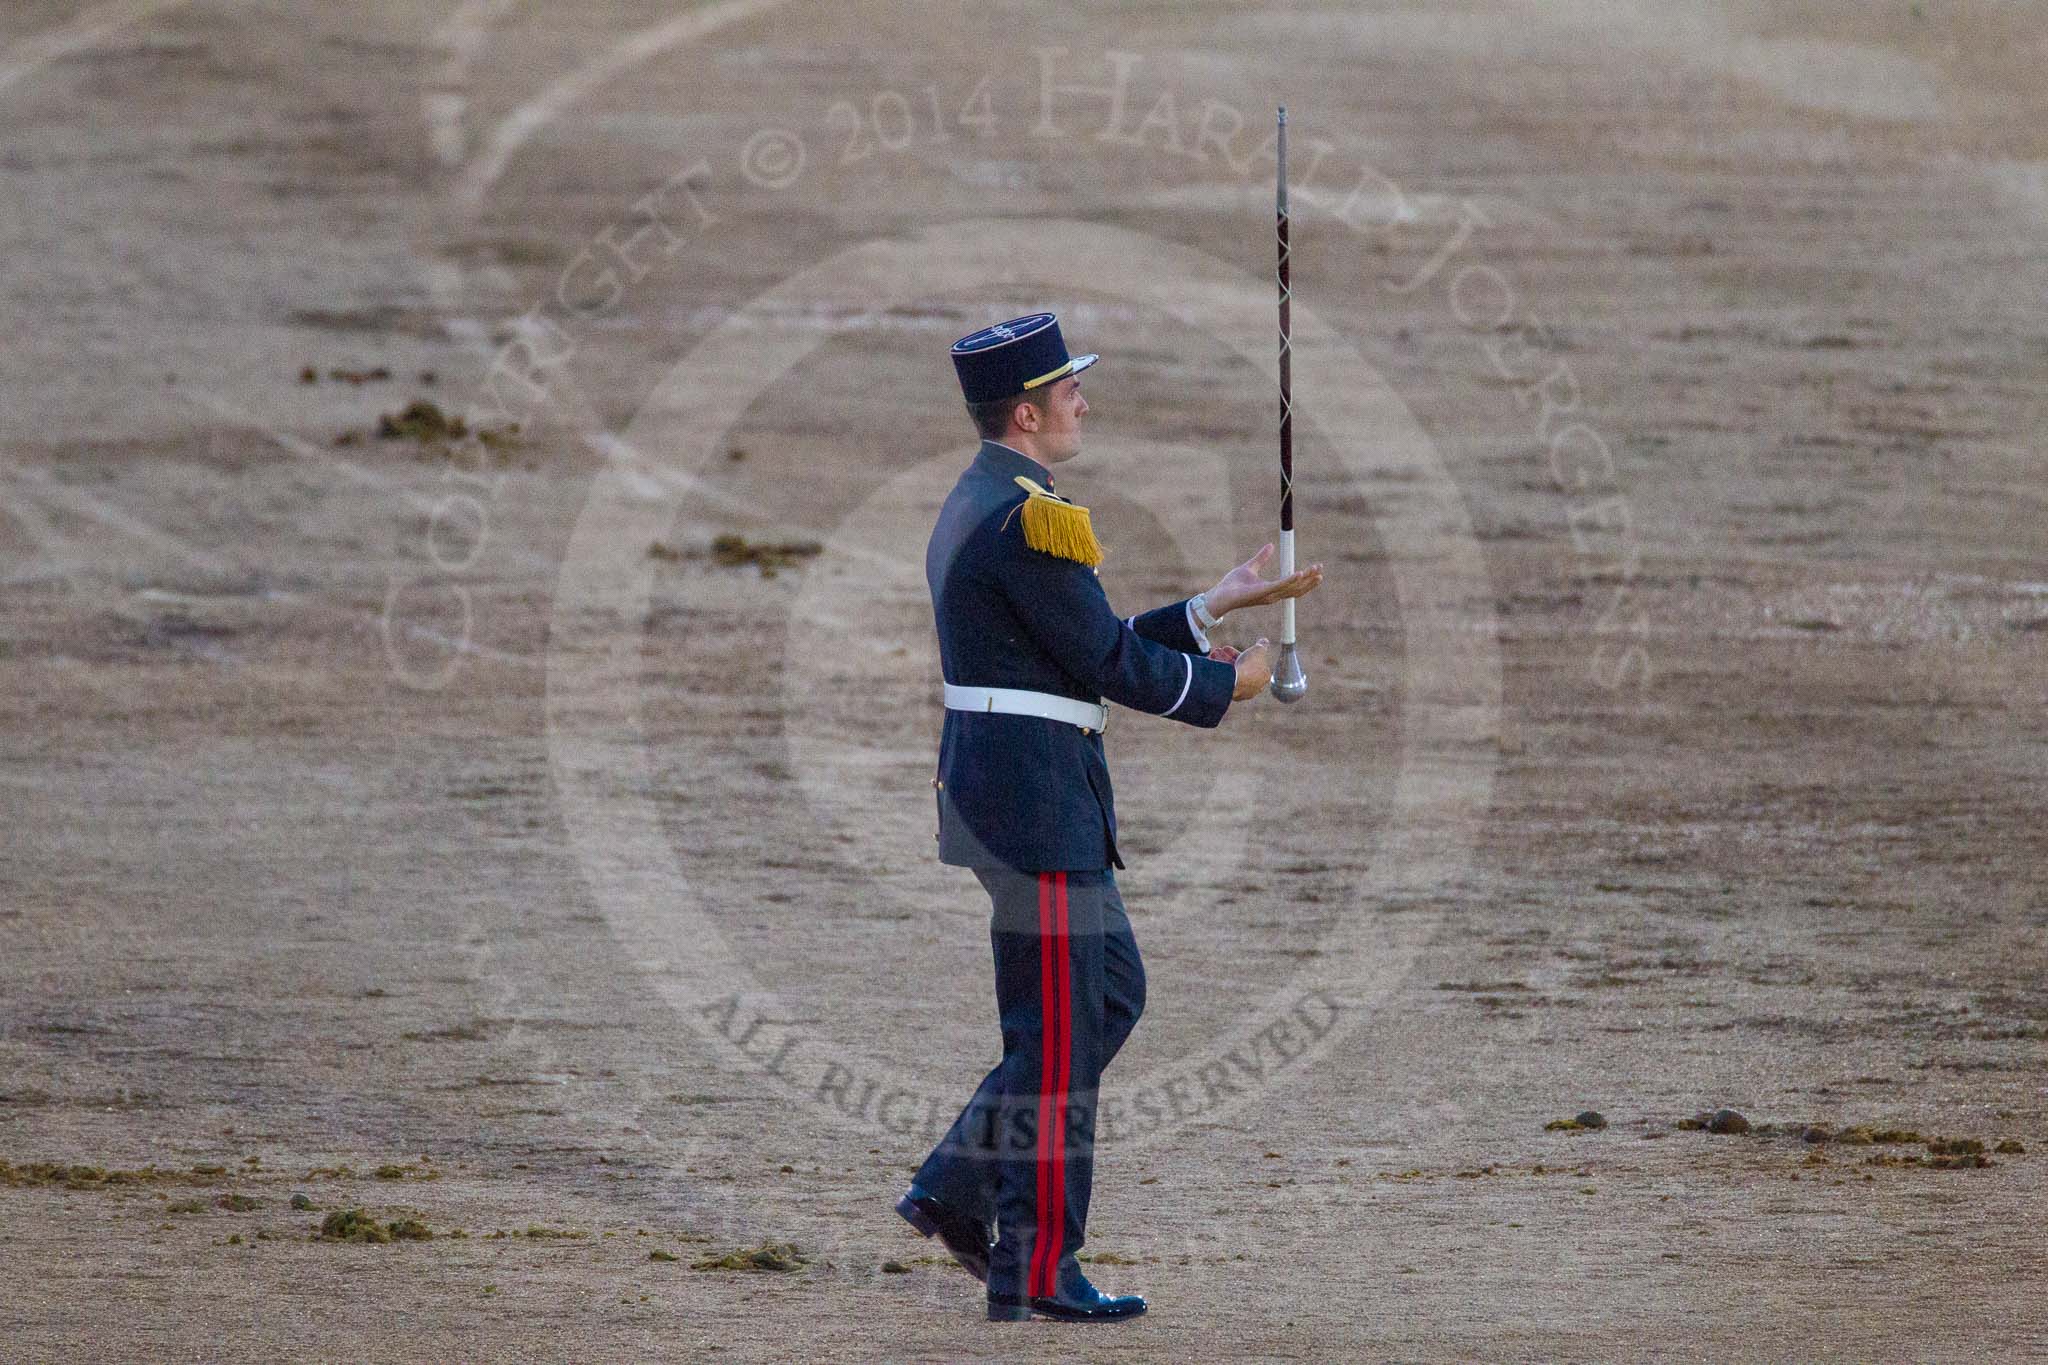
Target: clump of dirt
x=1586 y=1120
x=376 y=374
x=83 y=1176
x=238 y=1203
x=354 y=1225
x=421 y=421
x=186 y=1206
x=435 y=433
x=732 y=551
x=475 y=1031
x=80 y=1176
x=2010 y=1147
x=1967 y=1161
x=776 y=1256
x=1943 y=1153
x=1956 y=1161
x=659 y=1255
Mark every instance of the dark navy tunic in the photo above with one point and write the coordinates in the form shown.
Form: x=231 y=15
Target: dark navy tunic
x=1023 y=791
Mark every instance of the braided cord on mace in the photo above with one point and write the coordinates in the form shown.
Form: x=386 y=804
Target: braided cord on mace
x=1289 y=682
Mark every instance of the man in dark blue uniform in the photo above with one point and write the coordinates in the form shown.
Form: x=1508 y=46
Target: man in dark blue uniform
x=1032 y=653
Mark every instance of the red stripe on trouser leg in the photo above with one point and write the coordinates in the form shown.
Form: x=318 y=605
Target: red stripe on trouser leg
x=1036 y=1275
x=1063 y=999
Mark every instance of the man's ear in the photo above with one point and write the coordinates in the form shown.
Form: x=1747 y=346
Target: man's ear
x=1026 y=416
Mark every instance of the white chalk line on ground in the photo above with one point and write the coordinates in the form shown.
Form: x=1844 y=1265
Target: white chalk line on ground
x=355 y=473
x=519 y=127
x=53 y=489
x=446 y=109
x=32 y=54
x=306 y=450
x=72 y=566
x=464 y=35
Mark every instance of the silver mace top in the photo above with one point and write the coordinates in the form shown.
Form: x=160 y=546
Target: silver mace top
x=1289 y=682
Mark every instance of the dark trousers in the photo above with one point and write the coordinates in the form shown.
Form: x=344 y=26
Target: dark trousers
x=1069 y=988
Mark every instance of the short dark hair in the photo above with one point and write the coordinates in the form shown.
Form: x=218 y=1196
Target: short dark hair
x=992 y=419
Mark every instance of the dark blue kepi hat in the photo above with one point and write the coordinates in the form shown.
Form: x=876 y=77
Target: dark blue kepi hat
x=1013 y=357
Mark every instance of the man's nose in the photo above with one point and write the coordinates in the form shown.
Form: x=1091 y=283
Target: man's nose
x=1081 y=410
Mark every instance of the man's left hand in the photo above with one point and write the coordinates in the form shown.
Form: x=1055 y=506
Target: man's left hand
x=1246 y=585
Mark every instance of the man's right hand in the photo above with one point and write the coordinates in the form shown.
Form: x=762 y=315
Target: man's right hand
x=1254 y=671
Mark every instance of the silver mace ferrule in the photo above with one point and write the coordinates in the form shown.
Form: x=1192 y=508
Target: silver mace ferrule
x=1290 y=684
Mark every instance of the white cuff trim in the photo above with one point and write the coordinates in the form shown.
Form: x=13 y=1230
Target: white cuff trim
x=1190 y=659
x=1195 y=627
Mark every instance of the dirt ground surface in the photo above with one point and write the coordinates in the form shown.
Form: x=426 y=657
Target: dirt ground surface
x=511 y=817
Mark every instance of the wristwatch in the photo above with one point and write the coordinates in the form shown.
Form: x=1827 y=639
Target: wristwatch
x=1200 y=602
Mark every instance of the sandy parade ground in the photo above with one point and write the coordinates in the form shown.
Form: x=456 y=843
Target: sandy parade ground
x=470 y=694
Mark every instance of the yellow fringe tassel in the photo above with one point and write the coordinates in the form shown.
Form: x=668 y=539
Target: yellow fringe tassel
x=1058 y=527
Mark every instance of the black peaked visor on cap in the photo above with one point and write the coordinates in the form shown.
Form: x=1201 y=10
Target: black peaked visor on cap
x=1013 y=357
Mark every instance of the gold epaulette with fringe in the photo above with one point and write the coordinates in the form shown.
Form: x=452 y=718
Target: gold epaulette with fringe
x=1056 y=526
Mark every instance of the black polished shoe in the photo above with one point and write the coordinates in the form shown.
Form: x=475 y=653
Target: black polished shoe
x=1082 y=1303
x=967 y=1239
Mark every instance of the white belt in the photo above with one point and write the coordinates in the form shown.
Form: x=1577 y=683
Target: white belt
x=1015 y=701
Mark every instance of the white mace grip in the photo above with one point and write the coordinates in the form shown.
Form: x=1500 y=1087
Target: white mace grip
x=1287 y=571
